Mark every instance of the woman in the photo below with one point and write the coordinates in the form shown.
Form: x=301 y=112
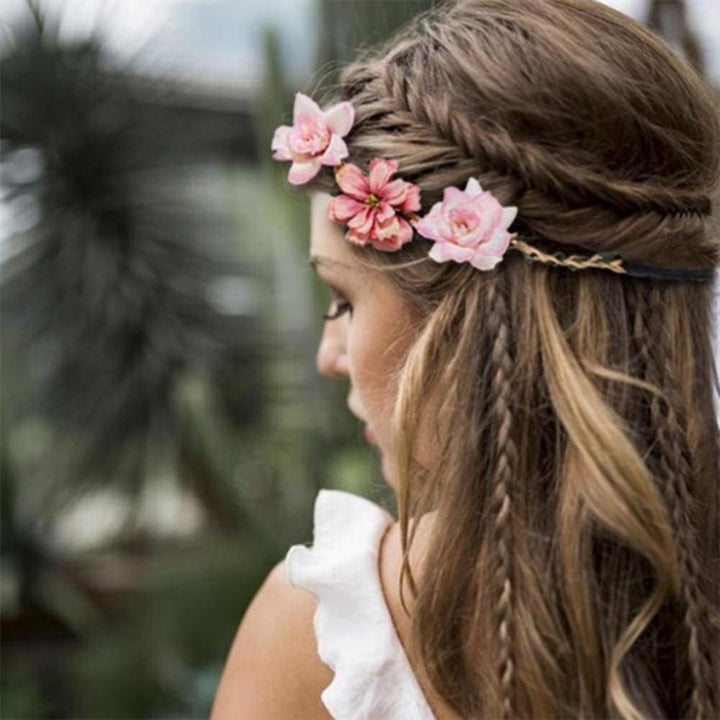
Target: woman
x=512 y=204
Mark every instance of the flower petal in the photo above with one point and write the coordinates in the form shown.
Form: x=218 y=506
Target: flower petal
x=429 y=225
x=385 y=212
x=406 y=232
x=394 y=192
x=381 y=171
x=485 y=262
x=306 y=106
x=412 y=199
x=486 y=212
x=473 y=187
x=336 y=151
x=280 y=143
x=497 y=244
x=453 y=196
x=457 y=253
x=352 y=181
x=391 y=235
x=387 y=230
x=508 y=216
x=442 y=252
x=302 y=172
x=355 y=237
x=340 y=118
x=390 y=245
x=363 y=222
x=342 y=208
x=488 y=205
x=437 y=254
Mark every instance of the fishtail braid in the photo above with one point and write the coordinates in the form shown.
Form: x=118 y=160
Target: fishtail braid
x=492 y=143
x=558 y=200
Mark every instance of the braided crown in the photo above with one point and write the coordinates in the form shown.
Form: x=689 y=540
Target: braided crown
x=425 y=105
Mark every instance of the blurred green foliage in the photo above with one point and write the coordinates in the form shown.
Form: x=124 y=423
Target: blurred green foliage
x=351 y=26
x=164 y=657
x=159 y=330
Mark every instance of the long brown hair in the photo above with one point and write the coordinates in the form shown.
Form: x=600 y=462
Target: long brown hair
x=575 y=484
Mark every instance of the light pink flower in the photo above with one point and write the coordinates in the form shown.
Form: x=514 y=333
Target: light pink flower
x=375 y=208
x=468 y=226
x=315 y=138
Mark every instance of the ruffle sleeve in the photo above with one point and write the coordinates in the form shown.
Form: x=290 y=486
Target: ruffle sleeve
x=355 y=633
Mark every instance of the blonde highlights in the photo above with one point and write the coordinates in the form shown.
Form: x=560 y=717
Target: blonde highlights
x=568 y=578
x=573 y=566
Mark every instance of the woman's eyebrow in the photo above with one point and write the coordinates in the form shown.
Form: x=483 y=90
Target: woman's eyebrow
x=319 y=260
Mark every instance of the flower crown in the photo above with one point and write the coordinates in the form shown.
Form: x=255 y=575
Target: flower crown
x=467 y=226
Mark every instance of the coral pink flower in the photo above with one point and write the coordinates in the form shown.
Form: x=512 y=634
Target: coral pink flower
x=468 y=226
x=315 y=138
x=374 y=208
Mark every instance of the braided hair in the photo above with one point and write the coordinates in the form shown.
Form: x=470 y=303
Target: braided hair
x=575 y=465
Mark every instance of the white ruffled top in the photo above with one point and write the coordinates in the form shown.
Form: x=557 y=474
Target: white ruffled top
x=355 y=633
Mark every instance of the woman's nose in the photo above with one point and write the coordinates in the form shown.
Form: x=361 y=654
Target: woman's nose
x=332 y=355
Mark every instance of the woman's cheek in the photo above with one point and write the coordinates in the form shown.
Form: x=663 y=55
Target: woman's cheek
x=368 y=375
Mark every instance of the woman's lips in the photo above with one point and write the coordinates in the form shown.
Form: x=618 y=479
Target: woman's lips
x=369 y=436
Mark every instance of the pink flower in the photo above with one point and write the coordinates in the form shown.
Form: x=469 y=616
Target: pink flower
x=374 y=208
x=315 y=138
x=468 y=226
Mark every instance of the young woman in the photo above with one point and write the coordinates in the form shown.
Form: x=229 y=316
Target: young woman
x=512 y=206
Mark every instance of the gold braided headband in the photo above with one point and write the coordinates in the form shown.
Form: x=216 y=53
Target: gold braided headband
x=607 y=261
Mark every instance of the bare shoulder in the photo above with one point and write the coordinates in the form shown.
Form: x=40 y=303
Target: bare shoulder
x=273 y=670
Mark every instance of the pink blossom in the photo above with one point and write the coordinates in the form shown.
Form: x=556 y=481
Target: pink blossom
x=375 y=209
x=315 y=138
x=468 y=226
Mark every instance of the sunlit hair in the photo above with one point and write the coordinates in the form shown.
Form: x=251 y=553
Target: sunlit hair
x=573 y=568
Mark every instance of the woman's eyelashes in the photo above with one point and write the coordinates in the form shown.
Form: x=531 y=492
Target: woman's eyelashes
x=338 y=306
x=337 y=309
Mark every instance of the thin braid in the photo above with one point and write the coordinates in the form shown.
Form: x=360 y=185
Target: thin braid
x=505 y=467
x=675 y=471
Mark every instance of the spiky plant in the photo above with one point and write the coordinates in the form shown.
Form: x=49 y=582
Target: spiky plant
x=115 y=280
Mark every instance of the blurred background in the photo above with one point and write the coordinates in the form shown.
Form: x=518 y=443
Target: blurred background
x=163 y=432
